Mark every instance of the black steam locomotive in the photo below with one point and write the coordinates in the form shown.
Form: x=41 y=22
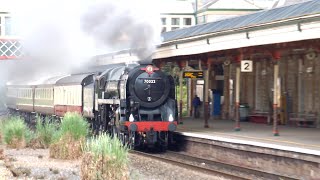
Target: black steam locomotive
x=137 y=103
x=133 y=102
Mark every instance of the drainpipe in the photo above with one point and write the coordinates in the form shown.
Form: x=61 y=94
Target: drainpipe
x=196 y=12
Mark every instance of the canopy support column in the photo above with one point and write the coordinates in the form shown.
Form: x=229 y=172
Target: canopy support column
x=276 y=94
x=180 y=105
x=206 y=95
x=275 y=100
x=237 y=103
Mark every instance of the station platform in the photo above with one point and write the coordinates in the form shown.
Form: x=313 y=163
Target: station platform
x=295 y=139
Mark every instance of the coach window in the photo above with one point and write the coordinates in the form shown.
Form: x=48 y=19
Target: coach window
x=51 y=93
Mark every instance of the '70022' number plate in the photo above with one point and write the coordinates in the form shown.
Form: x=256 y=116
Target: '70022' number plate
x=149 y=81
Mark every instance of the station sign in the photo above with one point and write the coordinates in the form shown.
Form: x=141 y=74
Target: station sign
x=193 y=74
x=246 y=66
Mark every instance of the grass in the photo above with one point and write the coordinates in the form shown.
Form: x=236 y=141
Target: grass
x=104 y=145
x=104 y=158
x=15 y=132
x=70 y=137
x=75 y=125
x=45 y=132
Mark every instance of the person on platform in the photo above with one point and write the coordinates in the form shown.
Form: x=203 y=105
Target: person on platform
x=196 y=104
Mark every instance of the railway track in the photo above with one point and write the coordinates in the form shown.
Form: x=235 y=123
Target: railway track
x=209 y=167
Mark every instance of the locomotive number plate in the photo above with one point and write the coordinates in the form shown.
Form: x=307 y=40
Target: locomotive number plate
x=149 y=81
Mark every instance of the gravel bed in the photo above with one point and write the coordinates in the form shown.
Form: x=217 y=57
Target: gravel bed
x=41 y=166
x=141 y=168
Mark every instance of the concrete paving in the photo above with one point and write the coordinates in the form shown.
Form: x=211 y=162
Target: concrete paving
x=290 y=136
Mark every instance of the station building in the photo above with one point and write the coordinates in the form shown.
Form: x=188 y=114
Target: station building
x=214 y=10
x=282 y=45
x=176 y=15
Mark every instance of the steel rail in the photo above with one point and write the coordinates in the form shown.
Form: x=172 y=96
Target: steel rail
x=217 y=168
x=186 y=165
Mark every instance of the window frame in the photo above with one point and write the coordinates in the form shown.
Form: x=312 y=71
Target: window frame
x=185 y=20
x=173 y=20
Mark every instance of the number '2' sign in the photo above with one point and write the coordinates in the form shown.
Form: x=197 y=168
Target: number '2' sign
x=246 y=66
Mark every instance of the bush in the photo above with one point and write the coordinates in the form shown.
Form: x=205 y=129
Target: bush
x=45 y=132
x=74 y=125
x=16 y=133
x=105 y=158
x=66 y=148
x=71 y=135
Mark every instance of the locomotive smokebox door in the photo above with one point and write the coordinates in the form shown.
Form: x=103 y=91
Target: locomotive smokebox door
x=149 y=86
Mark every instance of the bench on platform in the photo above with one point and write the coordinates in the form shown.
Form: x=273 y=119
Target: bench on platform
x=260 y=117
x=303 y=119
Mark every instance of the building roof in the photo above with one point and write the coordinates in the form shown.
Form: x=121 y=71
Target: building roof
x=229 y=4
x=249 y=20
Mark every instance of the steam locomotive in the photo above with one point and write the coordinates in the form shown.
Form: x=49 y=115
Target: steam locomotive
x=134 y=102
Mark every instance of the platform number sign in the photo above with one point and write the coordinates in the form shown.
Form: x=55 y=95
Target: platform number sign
x=246 y=66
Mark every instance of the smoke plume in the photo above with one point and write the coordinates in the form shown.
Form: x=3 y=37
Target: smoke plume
x=119 y=25
x=59 y=37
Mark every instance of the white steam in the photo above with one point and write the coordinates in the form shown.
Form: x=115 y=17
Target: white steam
x=124 y=24
x=60 y=36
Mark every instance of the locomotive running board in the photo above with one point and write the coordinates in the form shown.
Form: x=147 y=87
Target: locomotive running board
x=108 y=101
